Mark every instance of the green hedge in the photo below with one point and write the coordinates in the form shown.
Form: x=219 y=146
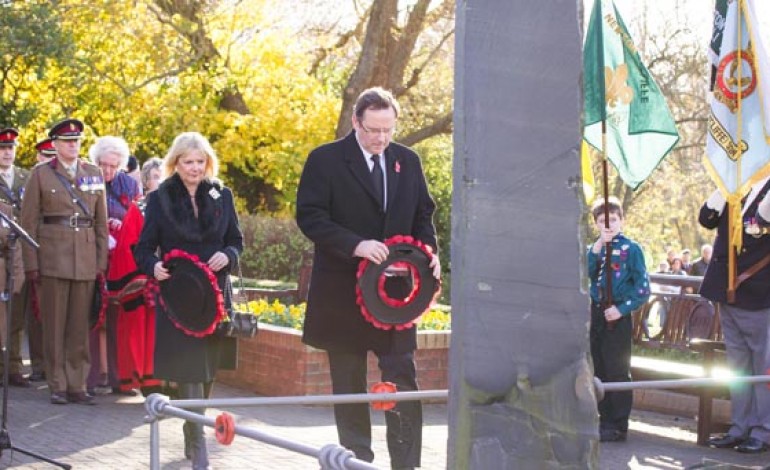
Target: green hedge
x=272 y=247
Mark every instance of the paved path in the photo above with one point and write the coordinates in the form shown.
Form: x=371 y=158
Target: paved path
x=113 y=435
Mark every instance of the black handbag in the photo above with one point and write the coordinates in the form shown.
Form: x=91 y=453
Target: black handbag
x=240 y=321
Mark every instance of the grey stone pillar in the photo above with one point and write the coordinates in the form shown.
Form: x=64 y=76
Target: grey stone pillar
x=521 y=393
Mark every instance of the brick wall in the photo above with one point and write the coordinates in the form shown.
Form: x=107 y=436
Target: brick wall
x=276 y=363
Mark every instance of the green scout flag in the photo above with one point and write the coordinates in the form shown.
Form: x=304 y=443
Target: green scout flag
x=619 y=89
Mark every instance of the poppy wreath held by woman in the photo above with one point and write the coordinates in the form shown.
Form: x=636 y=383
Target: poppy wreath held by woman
x=191 y=297
x=407 y=274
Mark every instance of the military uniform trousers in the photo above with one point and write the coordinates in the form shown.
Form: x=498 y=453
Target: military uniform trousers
x=747 y=338
x=65 y=305
x=16 y=334
x=34 y=329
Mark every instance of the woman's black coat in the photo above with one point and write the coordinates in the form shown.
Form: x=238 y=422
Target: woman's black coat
x=170 y=223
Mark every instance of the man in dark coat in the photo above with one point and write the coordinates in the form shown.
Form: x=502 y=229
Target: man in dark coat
x=700 y=264
x=746 y=318
x=354 y=193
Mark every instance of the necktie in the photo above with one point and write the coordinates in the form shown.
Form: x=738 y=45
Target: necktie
x=377 y=180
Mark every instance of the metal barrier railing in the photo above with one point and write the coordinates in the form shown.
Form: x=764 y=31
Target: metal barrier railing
x=336 y=457
x=601 y=387
x=330 y=456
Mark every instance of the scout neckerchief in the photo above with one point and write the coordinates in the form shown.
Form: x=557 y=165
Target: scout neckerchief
x=69 y=189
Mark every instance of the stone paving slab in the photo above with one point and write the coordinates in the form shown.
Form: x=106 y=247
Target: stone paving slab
x=113 y=435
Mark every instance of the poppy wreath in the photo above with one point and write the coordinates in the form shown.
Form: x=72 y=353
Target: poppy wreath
x=99 y=303
x=377 y=306
x=194 y=287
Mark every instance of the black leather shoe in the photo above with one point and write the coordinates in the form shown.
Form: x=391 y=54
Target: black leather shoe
x=752 y=445
x=612 y=435
x=81 y=398
x=37 y=377
x=725 y=441
x=59 y=398
x=18 y=380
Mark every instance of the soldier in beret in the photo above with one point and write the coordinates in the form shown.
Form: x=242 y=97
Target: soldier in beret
x=12 y=182
x=65 y=210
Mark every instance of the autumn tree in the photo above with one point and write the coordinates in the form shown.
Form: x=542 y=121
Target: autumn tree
x=30 y=41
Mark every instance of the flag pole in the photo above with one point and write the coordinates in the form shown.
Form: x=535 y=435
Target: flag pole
x=733 y=206
x=607 y=245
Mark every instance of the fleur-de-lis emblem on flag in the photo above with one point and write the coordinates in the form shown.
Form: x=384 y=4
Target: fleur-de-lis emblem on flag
x=617 y=89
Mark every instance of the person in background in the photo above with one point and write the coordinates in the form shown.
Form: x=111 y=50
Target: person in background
x=700 y=264
x=133 y=170
x=611 y=323
x=110 y=154
x=677 y=267
x=45 y=151
x=355 y=193
x=671 y=253
x=151 y=174
x=190 y=211
x=12 y=182
x=686 y=262
x=744 y=315
x=65 y=210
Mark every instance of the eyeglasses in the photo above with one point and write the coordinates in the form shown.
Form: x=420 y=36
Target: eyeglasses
x=385 y=132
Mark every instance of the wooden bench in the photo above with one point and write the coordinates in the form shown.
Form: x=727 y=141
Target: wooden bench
x=684 y=322
x=288 y=296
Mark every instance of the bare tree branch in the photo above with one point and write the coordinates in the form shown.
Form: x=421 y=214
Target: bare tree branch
x=442 y=125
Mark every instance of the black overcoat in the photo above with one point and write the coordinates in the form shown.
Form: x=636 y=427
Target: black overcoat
x=754 y=293
x=170 y=224
x=337 y=209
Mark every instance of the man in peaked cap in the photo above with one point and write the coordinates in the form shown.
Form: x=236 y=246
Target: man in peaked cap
x=65 y=210
x=12 y=182
x=45 y=150
x=45 y=153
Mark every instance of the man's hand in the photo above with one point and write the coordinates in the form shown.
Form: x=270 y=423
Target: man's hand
x=160 y=272
x=373 y=250
x=612 y=314
x=435 y=263
x=218 y=261
x=32 y=276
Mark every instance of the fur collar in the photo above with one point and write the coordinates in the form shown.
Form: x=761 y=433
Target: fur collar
x=177 y=207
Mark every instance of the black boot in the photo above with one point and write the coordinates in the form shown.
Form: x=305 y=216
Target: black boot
x=187 y=441
x=195 y=439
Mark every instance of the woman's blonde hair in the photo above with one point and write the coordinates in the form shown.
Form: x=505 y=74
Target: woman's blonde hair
x=183 y=144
